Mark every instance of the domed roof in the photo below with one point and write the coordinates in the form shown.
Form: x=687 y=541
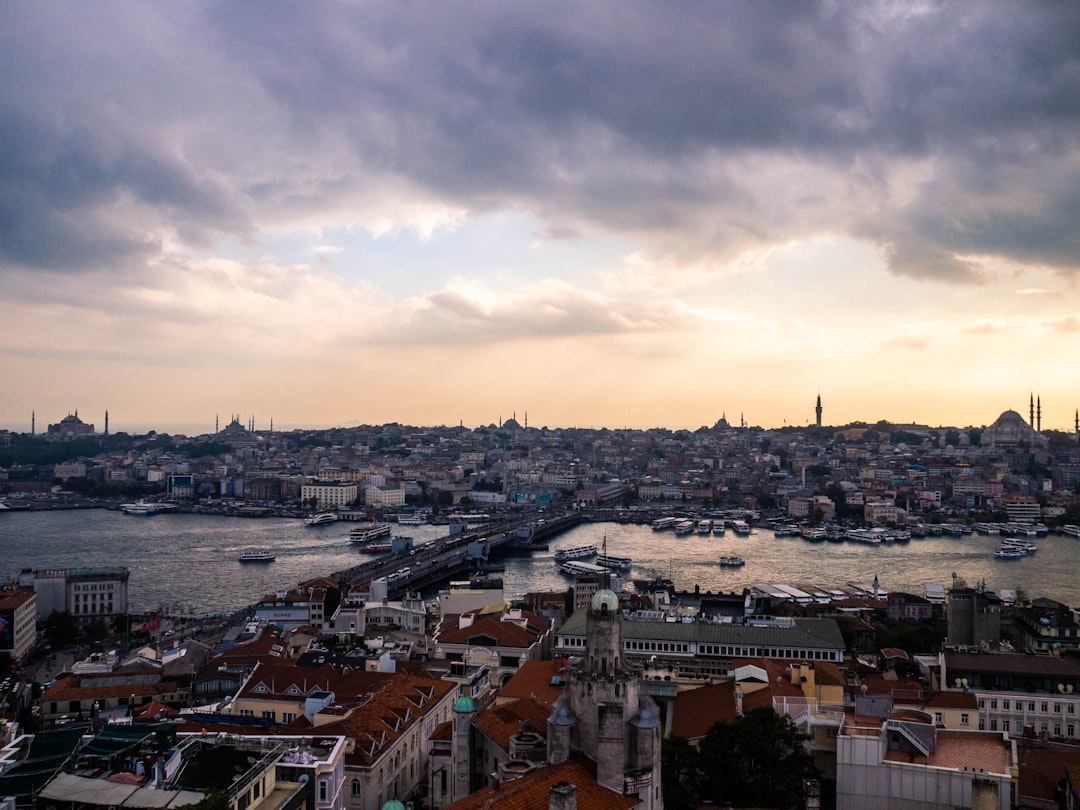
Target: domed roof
x=605 y=599
x=464 y=704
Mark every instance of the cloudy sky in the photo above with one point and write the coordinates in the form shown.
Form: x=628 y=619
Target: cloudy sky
x=622 y=214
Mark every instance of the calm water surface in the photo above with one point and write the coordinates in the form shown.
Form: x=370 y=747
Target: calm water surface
x=189 y=562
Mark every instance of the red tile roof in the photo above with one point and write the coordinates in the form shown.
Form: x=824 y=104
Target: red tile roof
x=530 y=792
x=533 y=681
x=697 y=710
x=502 y=722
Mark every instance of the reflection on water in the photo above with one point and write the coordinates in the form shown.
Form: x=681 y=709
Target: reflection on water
x=189 y=562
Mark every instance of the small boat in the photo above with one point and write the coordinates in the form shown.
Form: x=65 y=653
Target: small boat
x=685 y=527
x=660 y=524
x=704 y=526
x=377 y=547
x=786 y=530
x=1006 y=553
x=321 y=519
x=258 y=555
x=411 y=520
x=576 y=553
x=612 y=561
x=732 y=562
x=740 y=527
x=577 y=568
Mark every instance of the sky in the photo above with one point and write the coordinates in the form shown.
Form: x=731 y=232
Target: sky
x=599 y=214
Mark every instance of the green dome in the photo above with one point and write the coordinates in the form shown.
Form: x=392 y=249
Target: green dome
x=463 y=704
x=393 y=804
x=605 y=598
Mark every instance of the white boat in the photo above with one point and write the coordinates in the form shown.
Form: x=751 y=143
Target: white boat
x=1005 y=553
x=732 y=562
x=258 y=555
x=684 y=527
x=740 y=527
x=146 y=509
x=614 y=562
x=373 y=531
x=867 y=536
x=704 y=526
x=576 y=553
x=1021 y=545
x=411 y=520
x=660 y=524
x=576 y=567
x=321 y=519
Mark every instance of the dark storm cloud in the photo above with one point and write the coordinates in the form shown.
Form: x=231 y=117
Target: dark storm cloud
x=940 y=132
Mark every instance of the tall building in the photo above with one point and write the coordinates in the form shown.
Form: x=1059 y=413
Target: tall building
x=604 y=714
x=817 y=410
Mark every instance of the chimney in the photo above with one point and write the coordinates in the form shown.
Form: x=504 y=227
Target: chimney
x=562 y=796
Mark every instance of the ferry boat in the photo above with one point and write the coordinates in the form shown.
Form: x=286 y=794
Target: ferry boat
x=786 y=530
x=612 y=561
x=576 y=568
x=684 y=527
x=1071 y=530
x=411 y=520
x=704 y=526
x=1006 y=553
x=740 y=527
x=321 y=519
x=258 y=555
x=867 y=536
x=660 y=524
x=146 y=509
x=576 y=553
x=718 y=528
x=1021 y=545
x=732 y=562
x=362 y=536
x=814 y=535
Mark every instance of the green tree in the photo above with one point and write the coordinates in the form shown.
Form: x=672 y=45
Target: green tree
x=679 y=773
x=60 y=629
x=757 y=761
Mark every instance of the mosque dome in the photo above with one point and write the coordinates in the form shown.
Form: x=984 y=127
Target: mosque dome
x=605 y=599
x=1008 y=431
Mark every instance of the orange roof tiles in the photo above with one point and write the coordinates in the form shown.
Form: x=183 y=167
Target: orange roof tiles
x=530 y=792
x=984 y=752
x=501 y=723
x=533 y=681
x=697 y=710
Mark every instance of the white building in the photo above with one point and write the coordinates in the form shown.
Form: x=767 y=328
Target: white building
x=18 y=622
x=329 y=494
x=86 y=593
x=384 y=496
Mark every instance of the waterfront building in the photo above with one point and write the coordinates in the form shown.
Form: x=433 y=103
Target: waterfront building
x=384 y=496
x=1046 y=627
x=88 y=594
x=80 y=697
x=18 y=622
x=328 y=494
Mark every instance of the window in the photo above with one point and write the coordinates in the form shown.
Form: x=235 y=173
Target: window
x=993 y=703
x=1044 y=706
x=964 y=719
x=356 y=786
x=938 y=719
x=1005 y=704
x=1070 y=730
x=1057 y=708
x=1005 y=725
x=993 y=725
x=323 y=790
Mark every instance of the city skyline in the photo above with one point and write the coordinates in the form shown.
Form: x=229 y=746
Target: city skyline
x=616 y=217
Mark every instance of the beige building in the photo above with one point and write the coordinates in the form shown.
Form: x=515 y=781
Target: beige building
x=329 y=494
x=18 y=622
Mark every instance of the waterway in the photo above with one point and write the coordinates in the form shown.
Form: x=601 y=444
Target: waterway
x=189 y=563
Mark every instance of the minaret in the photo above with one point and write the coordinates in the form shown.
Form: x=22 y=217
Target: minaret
x=271 y=424
x=106 y=421
x=1038 y=414
x=217 y=423
x=526 y=418
x=817 y=409
x=33 y=422
x=1031 y=411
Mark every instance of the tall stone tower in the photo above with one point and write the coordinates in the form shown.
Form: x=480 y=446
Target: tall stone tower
x=817 y=410
x=604 y=715
x=461 y=769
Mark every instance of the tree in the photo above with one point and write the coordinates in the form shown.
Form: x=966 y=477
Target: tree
x=60 y=629
x=757 y=761
x=679 y=773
